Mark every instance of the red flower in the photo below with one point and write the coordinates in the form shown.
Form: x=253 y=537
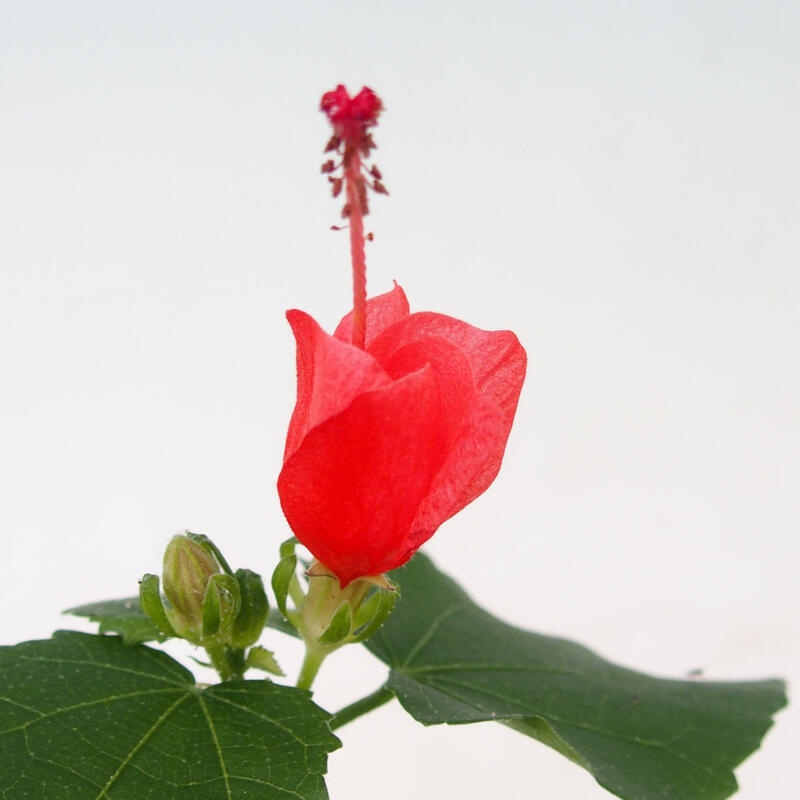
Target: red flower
x=388 y=442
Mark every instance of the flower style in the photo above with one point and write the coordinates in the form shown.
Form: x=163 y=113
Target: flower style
x=389 y=441
x=350 y=118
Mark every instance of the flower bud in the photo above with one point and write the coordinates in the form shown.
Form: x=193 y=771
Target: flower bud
x=188 y=567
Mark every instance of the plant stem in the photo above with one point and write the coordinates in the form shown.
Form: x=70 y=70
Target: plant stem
x=361 y=707
x=311 y=664
x=227 y=662
x=219 y=659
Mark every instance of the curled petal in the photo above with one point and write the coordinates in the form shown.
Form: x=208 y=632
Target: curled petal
x=497 y=359
x=329 y=375
x=383 y=311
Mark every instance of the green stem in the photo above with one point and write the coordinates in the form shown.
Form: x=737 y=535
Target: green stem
x=311 y=664
x=361 y=707
x=236 y=661
x=219 y=659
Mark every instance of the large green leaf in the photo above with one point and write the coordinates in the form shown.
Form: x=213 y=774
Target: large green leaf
x=86 y=717
x=642 y=738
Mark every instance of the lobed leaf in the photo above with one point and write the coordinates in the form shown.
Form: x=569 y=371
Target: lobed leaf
x=86 y=717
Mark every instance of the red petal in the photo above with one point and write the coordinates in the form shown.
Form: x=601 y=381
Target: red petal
x=382 y=312
x=473 y=428
x=351 y=490
x=497 y=362
x=471 y=466
x=453 y=376
x=329 y=375
x=497 y=359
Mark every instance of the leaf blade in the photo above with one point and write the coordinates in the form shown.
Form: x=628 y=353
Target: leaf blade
x=640 y=737
x=124 y=616
x=86 y=717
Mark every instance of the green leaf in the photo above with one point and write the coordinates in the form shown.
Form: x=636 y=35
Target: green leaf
x=124 y=617
x=640 y=737
x=85 y=717
x=263 y=659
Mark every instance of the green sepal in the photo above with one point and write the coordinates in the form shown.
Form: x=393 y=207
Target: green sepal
x=340 y=626
x=152 y=604
x=210 y=547
x=287 y=547
x=263 y=659
x=253 y=611
x=221 y=604
x=373 y=613
x=282 y=578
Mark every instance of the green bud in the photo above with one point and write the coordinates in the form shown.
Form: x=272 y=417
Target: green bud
x=188 y=567
x=252 y=616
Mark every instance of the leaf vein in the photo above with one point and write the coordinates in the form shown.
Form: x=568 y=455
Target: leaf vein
x=435 y=623
x=47 y=715
x=93 y=664
x=662 y=745
x=148 y=734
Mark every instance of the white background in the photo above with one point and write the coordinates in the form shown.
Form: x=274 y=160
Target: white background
x=617 y=182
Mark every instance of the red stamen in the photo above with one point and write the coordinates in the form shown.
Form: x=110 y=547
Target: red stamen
x=351 y=117
x=357 y=254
